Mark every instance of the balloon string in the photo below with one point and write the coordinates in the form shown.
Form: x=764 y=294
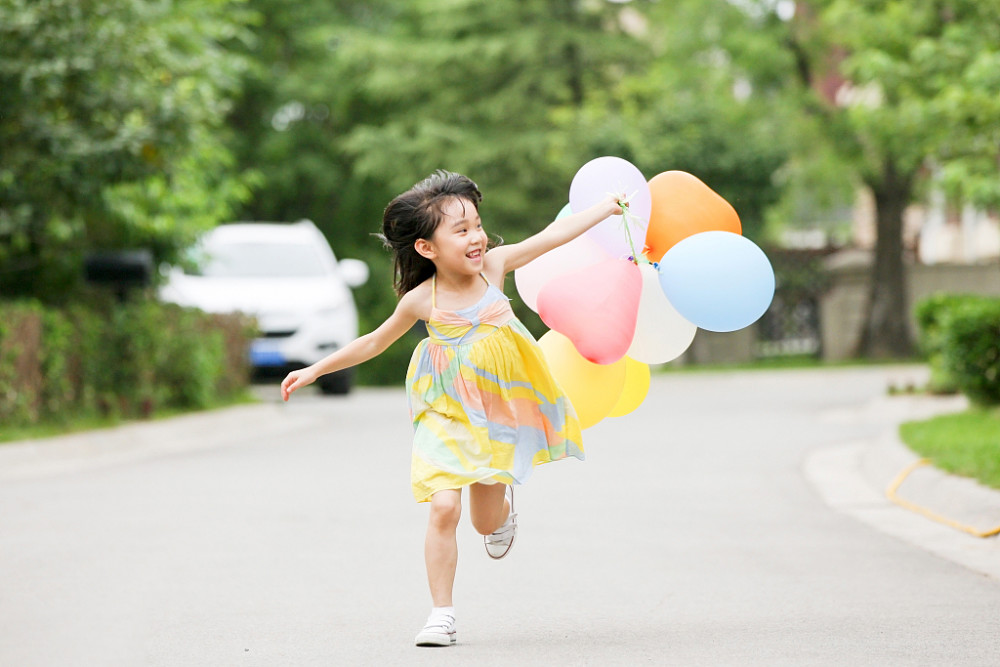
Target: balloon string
x=627 y=219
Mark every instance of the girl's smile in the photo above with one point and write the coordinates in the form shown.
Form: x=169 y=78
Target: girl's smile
x=459 y=241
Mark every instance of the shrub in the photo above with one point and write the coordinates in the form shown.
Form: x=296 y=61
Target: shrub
x=58 y=360
x=189 y=373
x=93 y=389
x=20 y=374
x=931 y=315
x=114 y=359
x=971 y=348
x=236 y=331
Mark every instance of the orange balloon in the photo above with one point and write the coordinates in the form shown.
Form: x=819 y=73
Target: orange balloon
x=684 y=206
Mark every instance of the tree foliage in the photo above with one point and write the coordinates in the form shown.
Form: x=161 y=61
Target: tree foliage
x=905 y=90
x=693 y=107
x=372 y=97
x=136 y=123
x=111 y=131
x=922 y=83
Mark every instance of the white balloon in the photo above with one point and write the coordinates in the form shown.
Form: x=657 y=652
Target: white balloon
x=533 y=276
x=661 y=333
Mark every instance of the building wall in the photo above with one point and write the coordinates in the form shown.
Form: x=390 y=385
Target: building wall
x=842 y=307
x=710 y=347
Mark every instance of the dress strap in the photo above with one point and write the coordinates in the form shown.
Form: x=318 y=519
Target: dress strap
x=485 y=278
x=434 y=291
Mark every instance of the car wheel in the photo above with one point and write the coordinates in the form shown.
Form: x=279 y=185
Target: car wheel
x=337 y=384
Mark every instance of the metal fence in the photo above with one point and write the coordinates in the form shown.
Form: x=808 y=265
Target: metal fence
x=791 y=326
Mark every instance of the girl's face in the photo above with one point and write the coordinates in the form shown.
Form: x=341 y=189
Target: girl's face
x=459 y=242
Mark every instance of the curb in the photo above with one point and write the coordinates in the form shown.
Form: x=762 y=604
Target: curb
x=857 y=479
x=133 y=441
x=892 y=493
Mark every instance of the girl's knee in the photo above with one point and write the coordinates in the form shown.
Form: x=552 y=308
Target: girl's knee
x=485 y=522
x=484 y=527
x=487 y=507
x=446 y=510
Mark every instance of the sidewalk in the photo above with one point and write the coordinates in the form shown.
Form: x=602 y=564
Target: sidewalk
x=854 y=478
x=134 y=441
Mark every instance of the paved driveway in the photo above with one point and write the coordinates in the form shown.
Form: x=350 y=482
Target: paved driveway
x=286 y=535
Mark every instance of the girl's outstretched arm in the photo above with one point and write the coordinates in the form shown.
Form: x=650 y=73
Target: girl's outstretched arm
x=359 y=350
x=507 y=258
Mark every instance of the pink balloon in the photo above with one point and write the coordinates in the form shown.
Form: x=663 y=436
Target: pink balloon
x=609 y=174
x=595 y=307
x=569 y=257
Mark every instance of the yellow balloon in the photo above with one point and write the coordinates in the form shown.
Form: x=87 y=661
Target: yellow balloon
x=635 y=389
x=593 y=389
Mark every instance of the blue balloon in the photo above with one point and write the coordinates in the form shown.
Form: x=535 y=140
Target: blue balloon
x=718 y=281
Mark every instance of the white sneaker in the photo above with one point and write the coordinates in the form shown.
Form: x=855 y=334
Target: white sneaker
x=439 y=631
x=499 y=542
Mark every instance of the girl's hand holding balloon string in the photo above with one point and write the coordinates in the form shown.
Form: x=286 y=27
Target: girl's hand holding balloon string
x=617 y=203
x=628 y=220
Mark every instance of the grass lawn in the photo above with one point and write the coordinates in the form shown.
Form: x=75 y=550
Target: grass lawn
x=967 y=443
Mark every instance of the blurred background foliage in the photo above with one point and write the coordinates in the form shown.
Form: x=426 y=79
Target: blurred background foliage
x=137 y=123
x=108 y=361
x=344 y=114
x=113 y=132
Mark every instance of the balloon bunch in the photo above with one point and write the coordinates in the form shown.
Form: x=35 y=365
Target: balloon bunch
x=614 y=309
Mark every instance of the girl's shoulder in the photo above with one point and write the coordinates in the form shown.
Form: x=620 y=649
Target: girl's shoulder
x=417 y=301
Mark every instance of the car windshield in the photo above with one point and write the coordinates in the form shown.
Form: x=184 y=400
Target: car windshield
x=261 y=260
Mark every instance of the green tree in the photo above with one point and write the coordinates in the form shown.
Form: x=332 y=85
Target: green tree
x=693 y=108
x=299 y=101
x=476 y=87
x=899 y=87
x=111 y=131
x=295 y=106
x=349 y=103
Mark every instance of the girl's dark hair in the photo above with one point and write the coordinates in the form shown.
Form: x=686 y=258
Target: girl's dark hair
x=414 y=215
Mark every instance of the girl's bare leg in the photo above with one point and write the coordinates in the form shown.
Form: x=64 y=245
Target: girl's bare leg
x=440 y=545
x=488 y=507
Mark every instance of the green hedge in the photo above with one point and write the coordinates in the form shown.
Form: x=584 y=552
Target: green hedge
x=960 y=334
x=124 y=360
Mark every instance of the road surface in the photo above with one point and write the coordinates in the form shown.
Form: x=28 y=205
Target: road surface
x=278 y=534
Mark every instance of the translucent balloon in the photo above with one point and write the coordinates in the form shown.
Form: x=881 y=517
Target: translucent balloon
x=593 y=389
x=720 y=281
x=635 y=389
x=567 y=258
x=661 y=333
x=595 y=307
x=608 y=174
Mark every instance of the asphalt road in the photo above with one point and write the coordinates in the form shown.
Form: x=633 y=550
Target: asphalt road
x=286 y=535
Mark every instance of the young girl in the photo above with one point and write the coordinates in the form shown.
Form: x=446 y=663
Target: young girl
x=485 y=407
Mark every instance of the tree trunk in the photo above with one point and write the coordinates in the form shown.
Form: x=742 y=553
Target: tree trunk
x=886 y=334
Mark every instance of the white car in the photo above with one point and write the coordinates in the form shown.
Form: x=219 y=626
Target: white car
x=286 y=276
